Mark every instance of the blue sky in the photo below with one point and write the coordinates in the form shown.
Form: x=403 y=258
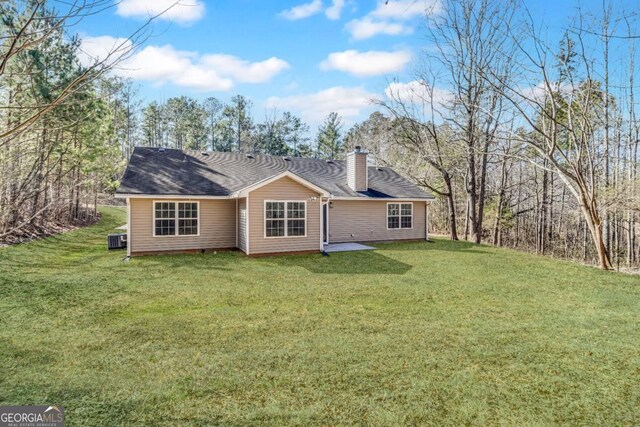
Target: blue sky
x=307 y=56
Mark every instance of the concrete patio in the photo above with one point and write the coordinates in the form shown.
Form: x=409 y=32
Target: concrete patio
x=346 y=247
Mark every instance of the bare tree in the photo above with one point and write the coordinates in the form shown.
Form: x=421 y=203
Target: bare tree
x=468 y=40
x=563 y=110
x=416 y=110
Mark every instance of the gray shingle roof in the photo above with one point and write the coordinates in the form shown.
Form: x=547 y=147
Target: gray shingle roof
x=184 y=172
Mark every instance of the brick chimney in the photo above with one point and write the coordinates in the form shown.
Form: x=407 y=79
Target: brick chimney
x=357 y=175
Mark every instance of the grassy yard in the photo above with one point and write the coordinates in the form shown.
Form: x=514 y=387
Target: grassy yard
x=414 y=333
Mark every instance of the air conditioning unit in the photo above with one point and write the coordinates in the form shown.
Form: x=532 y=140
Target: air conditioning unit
x=117 y=241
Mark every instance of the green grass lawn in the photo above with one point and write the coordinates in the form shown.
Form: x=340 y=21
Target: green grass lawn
x=436 y=333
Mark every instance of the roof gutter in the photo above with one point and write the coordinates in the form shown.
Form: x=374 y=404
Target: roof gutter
x=386 y=199
x=241 y=194
x=169 y=196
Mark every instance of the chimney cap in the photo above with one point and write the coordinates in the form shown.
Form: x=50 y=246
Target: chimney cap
x=358 y=150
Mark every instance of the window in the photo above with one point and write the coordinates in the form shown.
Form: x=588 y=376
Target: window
x=175 y=218
x=399 y=215
x=274 y=219
x=285 y=219
x=187 y=219
x=165 y=219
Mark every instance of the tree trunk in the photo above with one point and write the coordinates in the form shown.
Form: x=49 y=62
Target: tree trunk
x=451 y=202
x=500 y=201
x=595 y=227
x=473 y=195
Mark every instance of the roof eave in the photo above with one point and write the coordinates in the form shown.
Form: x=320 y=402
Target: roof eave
x=387 y=199
x=168 y=196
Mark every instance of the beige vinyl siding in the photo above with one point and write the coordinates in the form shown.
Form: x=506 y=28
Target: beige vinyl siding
x=362 y=221
x=283 y=189
x=217 y=220
x=357 y=171
x=242 y=225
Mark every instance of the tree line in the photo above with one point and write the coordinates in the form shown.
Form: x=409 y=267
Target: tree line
x=529 y=139
x=186 y=123
x=534 y=142
x=58 y=131
x=68 y=126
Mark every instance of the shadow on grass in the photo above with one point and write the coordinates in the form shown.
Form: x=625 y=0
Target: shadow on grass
x=361 y=262
x=205 y=261
x=458 y=246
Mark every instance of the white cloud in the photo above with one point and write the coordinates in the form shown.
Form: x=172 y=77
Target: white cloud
x=333 y=12
x=418 y=92
x=350 y=103
x=390 y=18
x=533 y=93
x=181 y=11
x=167 y=65
x=94 y=49
x=302 y=11
x=243 y=70
x=364 y=64
x=365 y=28
x=537 y=93
x=314 y=7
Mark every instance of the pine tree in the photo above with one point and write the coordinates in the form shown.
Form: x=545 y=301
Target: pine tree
x=329 y=138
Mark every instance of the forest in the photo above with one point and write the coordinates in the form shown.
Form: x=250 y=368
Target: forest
x=528 y=140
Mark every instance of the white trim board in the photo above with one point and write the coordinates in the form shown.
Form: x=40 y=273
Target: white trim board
x=382 y=199
x=321 y=224
x=426 y=221
x=170 y=197
x=234 y=196
x=129 y=242
x=247 y=225
x=237 y=222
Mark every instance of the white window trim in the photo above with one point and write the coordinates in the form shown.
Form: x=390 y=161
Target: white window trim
x=400 y=216
x=264 y=219
x=153 y=224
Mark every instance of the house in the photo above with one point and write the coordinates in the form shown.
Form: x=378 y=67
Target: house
x=181 y=200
